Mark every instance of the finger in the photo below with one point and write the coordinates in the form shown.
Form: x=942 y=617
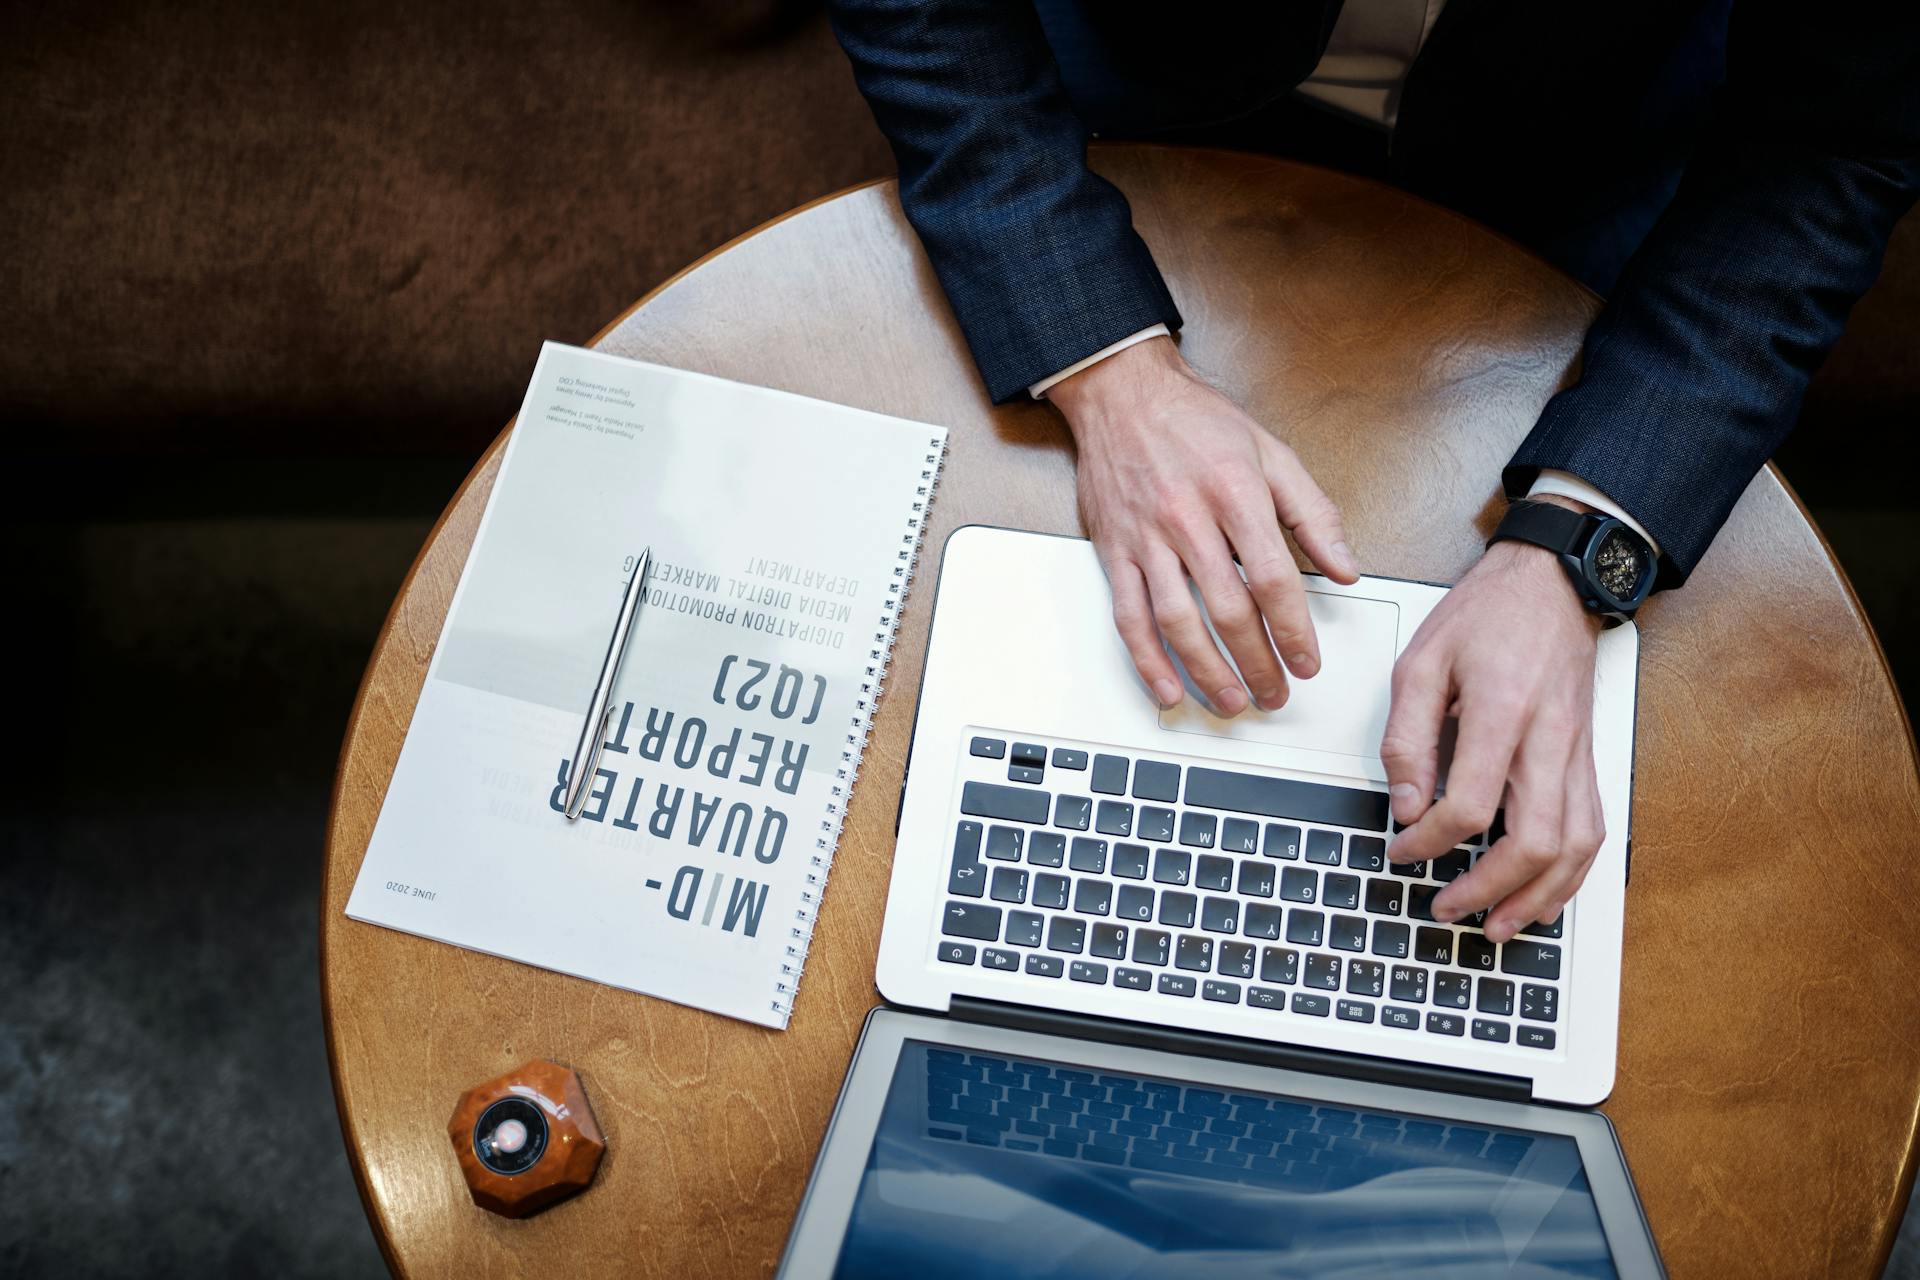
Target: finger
x=1180 y=622
x=1583 y=832
x=1543 y=898
x=1410 y=747
x=1236 y=618
x=1309 y=514
x=1503 y=873
x=1275 y=585
x=1491 y=725
x=1511 y=873
x=1133 y=619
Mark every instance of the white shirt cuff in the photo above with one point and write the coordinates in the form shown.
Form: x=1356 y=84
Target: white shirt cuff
x=1567 y=485
x=1039 y=389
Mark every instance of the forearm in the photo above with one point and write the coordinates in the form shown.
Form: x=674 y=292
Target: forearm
x=1696 y=369
x=1036 y=254
x=1695 y=373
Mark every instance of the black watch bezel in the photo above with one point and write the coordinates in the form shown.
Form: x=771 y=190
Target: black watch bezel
x=1577 y=541
x=1590 y=571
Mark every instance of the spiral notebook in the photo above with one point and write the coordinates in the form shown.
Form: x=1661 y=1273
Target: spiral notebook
x=784 y=532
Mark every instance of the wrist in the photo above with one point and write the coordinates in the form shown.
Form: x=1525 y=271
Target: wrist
x=1536 y=572
x=1106 y=391
x=1609 y=566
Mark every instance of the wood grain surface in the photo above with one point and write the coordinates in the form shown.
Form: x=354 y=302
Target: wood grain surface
x=1769 y=1064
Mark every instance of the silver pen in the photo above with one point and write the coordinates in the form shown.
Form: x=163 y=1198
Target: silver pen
x=593 y=734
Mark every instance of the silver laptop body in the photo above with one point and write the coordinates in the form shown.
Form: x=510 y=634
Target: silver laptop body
x=1065 y=847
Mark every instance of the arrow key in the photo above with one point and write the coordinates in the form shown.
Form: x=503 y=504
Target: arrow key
x=971 y=920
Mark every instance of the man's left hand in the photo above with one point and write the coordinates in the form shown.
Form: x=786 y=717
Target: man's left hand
x=1509 y=653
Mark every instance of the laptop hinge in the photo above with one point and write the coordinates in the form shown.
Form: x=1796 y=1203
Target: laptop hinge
x=1260 y=1053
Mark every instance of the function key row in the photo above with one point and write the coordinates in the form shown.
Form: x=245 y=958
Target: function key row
x=1095 y=901
x=1282 y=965
x=1366 y=983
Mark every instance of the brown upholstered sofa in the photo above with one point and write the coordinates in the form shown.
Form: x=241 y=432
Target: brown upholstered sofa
x=345 y=228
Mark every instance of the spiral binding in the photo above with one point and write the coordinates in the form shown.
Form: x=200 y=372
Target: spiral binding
x=879 y=657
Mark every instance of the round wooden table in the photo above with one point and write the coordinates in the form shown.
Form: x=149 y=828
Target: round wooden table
x=1770 y=1021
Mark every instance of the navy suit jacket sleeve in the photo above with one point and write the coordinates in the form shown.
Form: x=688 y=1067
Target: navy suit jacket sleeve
x=1037 y=254
x=1695 y=371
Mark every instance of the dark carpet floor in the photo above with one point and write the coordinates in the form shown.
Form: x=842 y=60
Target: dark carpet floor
x=190 y=660
x=167 y=1109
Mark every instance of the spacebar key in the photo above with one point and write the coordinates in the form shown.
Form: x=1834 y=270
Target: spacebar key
x=1285 y=798
x=1013 y=804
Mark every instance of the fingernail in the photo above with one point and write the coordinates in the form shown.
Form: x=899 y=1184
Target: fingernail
x=1404 y=796
x=1344 y=555
x=1270 y=699
x=1168 y=691
x=1498 y=932
x=1445 y=915
x=1231 y=700
x=1303 y=665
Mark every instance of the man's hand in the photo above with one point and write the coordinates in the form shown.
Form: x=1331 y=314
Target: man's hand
x=1175 y=481
x=1510 y=654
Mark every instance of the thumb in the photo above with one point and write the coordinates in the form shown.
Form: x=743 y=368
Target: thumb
x=1310 y=515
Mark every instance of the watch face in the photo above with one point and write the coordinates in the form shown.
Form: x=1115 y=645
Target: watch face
x=1619 y=564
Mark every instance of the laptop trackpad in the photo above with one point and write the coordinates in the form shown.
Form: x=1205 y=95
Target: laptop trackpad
x=1343 y=709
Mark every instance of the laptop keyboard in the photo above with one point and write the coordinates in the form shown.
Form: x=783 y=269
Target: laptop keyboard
x=1159 y=1126
x=1197 y=882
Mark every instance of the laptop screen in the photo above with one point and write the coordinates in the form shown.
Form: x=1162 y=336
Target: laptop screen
x=986 y=1165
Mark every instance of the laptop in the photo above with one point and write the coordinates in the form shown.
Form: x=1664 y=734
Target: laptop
x=1158 y=1004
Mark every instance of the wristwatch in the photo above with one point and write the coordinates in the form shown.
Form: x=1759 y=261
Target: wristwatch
x=1611 y=566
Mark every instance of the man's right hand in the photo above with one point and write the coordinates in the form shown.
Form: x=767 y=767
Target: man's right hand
x=1175 y=482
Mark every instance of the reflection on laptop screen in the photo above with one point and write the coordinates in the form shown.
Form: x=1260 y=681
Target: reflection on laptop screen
x=991 y=1166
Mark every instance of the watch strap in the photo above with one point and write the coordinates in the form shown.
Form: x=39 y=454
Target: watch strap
x=1544 y=524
